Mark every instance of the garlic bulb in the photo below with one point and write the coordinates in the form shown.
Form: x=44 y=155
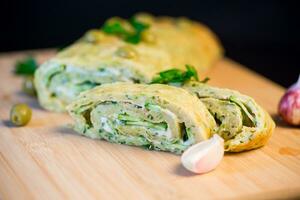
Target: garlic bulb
x=204 y=156
x=289 y=105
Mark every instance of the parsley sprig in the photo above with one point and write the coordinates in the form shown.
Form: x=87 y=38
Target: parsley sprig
x=177 y=76
x=26 y=66
x=115 y=27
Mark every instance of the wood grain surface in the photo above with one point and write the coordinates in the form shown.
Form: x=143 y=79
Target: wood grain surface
x=47 y=160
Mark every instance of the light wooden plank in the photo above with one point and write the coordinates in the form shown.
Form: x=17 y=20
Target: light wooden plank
x=46 y=160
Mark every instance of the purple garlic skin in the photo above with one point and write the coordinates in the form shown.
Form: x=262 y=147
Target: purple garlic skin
x=289 y=105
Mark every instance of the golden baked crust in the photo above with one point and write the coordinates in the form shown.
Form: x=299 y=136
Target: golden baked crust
x=99 y=58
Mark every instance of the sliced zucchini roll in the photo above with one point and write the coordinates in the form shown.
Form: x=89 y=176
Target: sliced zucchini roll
x=242 y=123
x=124 y=50
x=157 y=116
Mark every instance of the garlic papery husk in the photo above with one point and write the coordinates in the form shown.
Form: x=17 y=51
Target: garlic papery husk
x=289 y=105
x=204 y=156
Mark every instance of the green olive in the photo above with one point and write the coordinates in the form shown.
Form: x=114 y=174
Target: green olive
x=20 y=114
x=148 y=37
x=28 y=86
x=126 y=52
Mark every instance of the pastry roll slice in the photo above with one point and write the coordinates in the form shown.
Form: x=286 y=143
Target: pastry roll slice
x=157 y=116
x=242 y=123
x=105 y=56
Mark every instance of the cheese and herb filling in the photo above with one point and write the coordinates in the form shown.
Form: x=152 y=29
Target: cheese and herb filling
x=242 y=123
x=156 y=116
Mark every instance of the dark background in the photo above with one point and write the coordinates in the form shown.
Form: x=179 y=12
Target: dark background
x=263 y=35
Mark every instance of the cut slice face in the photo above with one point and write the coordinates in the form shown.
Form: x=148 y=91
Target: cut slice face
x=59 y=84
x=240 y=121
x=227 y=115
x=129 y=119
x=159 y=117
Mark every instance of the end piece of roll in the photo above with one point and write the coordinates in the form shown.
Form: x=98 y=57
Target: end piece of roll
x=240 y=121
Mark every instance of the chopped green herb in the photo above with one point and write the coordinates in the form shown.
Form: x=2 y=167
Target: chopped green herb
x=159 y=126
x=205 y=80
x=26 y=66
x=177 y=76
x=126 y=117
x=116 y=28
x=130 y=120
x=148 y=146
x=137 y=25
x=191 y=72
x=152 y=107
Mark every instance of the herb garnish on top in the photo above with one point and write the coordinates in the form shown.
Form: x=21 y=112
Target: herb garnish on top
x=177 y=76
x=115 y=27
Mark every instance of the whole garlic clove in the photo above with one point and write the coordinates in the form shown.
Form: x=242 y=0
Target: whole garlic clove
x=204 y=156
x=289 y=105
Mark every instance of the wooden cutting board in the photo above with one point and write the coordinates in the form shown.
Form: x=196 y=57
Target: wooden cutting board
x=47 y=160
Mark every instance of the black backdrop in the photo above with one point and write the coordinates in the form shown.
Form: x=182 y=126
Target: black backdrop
x=263 y=35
